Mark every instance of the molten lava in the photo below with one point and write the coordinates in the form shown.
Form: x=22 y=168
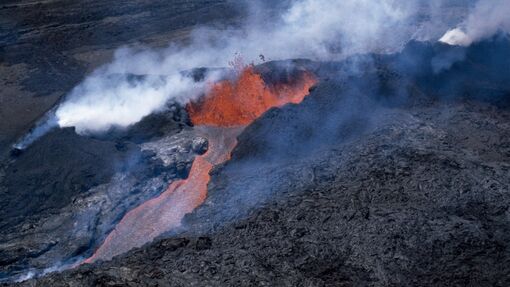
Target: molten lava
x=220 y=116
x=239 y=102
x=165 y=212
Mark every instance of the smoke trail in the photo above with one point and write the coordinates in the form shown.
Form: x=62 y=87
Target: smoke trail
x=314 y=29
x=44 y=125
x=103 y=101
x=488 y=18
x=34 y=273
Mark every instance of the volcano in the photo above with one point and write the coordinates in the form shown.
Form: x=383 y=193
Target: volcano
x=354 y=147
x=394 y=170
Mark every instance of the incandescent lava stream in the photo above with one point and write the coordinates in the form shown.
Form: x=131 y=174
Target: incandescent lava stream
x=220 y=116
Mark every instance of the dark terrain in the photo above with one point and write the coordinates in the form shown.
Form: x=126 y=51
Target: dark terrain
x=399 y=191
x=394 y=171
x=62 y=195
x=406 y=207
x=47 y=47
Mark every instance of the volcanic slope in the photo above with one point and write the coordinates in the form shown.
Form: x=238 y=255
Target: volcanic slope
x=48 y=47
x=376 y=179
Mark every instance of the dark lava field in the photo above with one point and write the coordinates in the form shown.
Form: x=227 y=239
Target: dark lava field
x=393 y=171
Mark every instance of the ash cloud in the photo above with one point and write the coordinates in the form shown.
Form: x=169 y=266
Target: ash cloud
x=486 y=19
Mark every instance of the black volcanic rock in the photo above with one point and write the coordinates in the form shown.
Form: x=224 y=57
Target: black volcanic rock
x=376 y=179
x=420 y=200
x=39 y=173
x=65 y=192
x=447 y=72
x=47 y=48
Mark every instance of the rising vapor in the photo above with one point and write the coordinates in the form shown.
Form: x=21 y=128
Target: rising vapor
x=487 y=18
x=103 y=101
x=113 y=96
x=312 y=29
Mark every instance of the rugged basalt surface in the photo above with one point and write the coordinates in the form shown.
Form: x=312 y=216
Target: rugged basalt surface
x=420 y=200
x=62 y=195
x=54 y=215
x=395 y=171
x=380 y=177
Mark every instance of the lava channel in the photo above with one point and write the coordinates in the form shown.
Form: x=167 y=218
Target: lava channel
x=220 y=117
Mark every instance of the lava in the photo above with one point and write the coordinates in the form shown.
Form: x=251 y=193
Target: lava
x=165 y=212
x=220 y=116
x=239 y=102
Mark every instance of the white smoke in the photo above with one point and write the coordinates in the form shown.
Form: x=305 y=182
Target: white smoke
x=310 y=28
x=456 y=37
x=44 y=125
x=101 y=102
x=35 y=273
x=325 y=29
x=314 y=29
x=487 y=18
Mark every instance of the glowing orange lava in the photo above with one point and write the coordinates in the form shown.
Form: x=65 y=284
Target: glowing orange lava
x=220 y=117
x=241 y=101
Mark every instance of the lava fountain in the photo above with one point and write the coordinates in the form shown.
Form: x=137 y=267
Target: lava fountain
x=220 y=116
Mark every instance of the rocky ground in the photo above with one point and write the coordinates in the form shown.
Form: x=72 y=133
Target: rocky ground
x=47 y=47
x=393 y=172
x=418 y=202
x=390 y=191
x=59 y=215
x=61 y=196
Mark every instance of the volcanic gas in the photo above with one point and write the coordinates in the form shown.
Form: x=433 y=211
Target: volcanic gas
x=220 y=116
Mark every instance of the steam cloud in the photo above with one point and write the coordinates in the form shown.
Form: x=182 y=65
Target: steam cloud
x=314 y=29
x=104 y=101
x=487 y=18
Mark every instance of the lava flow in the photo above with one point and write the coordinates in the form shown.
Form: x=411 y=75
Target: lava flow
x=220 y=116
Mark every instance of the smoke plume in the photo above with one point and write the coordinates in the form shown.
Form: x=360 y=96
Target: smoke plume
x=114 y=96
x=47 y=123
x=312 y=29
x=101 y=102
x=487 y=18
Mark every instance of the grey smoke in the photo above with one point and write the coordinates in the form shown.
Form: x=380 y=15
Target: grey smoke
x=444 y=61
x=487 y=18
x=44 y=125
x=314 y=29
x=33 y=273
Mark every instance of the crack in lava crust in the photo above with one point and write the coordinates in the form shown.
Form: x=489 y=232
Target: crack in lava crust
x=220 y=117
